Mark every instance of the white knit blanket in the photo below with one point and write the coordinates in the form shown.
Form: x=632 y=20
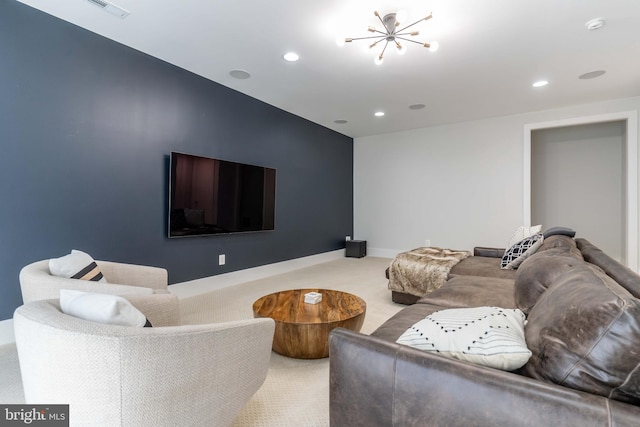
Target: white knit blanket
x=422 y=270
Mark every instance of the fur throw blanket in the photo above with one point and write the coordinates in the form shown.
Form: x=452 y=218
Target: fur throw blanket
x=422 y=270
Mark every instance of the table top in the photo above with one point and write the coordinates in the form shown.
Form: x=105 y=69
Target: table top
x=289 y=306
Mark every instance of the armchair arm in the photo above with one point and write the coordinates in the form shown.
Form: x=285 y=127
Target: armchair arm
x=378 y=383
x=160 y=309
x=134 y=275
x=218 y=368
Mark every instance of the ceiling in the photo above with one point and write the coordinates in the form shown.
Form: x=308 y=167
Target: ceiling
x=490 y=54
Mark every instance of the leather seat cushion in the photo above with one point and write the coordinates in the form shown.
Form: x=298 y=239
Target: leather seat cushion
x=481 y=266
x=584 y=333
x=472 y=291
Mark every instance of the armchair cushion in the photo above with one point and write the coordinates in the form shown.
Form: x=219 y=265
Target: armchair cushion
x=76 y=265
x=101 y=308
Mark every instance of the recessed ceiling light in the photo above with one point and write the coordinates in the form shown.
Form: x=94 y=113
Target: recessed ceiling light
x=416 y=106
x=591 y=75
x=540 y=83
x=379 y=114
x=340 y=121
x=291 y=57
x=111 y=8
x=239 y=74
x=594 y=24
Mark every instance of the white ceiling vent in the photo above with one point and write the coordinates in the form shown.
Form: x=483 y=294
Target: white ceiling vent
x=111 y=8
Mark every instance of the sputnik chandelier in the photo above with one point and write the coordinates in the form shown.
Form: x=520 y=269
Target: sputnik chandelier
x=390 y=23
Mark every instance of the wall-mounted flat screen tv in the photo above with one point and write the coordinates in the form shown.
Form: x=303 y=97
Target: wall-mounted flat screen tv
x=211 y=196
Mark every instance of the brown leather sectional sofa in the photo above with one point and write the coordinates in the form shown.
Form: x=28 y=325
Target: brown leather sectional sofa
x=583 y=329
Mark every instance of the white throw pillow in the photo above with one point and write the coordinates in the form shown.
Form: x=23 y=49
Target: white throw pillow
x=488 y=336
x=523 y=232
x=101 y=308
x=76 y=265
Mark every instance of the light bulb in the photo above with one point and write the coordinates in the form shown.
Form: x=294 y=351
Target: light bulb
x=340 y=41
x=378 y=60
x=434 y=46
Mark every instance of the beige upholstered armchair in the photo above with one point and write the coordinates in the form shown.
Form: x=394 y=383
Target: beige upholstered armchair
x=188 y=375
x=144 y=286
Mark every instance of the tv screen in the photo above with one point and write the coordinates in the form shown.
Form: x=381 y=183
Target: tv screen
x=211 y=196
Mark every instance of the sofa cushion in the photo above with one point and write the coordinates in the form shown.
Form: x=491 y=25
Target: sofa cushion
x=537 y=273
x=516 y=254
x=560 y=242
x=488 y=336
x=76 y=265
x=482 y=266
x=584 y=333
x=472 y=291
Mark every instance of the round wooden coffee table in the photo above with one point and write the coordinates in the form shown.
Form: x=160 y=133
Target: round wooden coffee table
x=302 y=329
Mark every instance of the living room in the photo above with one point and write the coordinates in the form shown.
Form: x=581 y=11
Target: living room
x=88 y=124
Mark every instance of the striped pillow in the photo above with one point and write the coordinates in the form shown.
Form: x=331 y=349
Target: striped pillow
x=76 y=265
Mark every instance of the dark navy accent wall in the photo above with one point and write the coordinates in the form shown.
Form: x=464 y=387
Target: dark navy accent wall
x=86 y=127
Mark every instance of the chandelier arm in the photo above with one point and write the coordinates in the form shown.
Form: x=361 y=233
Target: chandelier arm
x=370 y=37
x=419 y=20
x=380 y=19
x=384 y=48
x=409 y=40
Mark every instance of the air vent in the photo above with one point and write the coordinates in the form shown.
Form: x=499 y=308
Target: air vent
x=111 y=8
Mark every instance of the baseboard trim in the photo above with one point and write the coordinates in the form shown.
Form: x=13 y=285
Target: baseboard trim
x=383 y=253
x=6 y=332
x=208 y=284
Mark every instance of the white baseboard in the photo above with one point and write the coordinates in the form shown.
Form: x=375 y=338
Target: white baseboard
x=384 y=253
x=6 y=332
x=208 y=284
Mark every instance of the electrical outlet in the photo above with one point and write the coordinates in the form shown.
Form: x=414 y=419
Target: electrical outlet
x=221 y=259
x=347 y=238
x=427 y=243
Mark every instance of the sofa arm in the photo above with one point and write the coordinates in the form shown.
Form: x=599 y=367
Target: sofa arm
x=488 y=252
x=378 y=383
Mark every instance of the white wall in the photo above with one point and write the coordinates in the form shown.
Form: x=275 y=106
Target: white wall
x=561 y=192
x=459 y=185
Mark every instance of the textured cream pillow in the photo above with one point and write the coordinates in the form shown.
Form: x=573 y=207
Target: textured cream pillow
x=101 y=308
x=76 y=265
x=488 y=336
x=522 y=233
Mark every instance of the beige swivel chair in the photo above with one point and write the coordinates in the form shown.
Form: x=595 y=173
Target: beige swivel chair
x=189 y=375
x=144 y=286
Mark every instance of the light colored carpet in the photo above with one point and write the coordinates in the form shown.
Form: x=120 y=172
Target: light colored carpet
x=296 y=392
